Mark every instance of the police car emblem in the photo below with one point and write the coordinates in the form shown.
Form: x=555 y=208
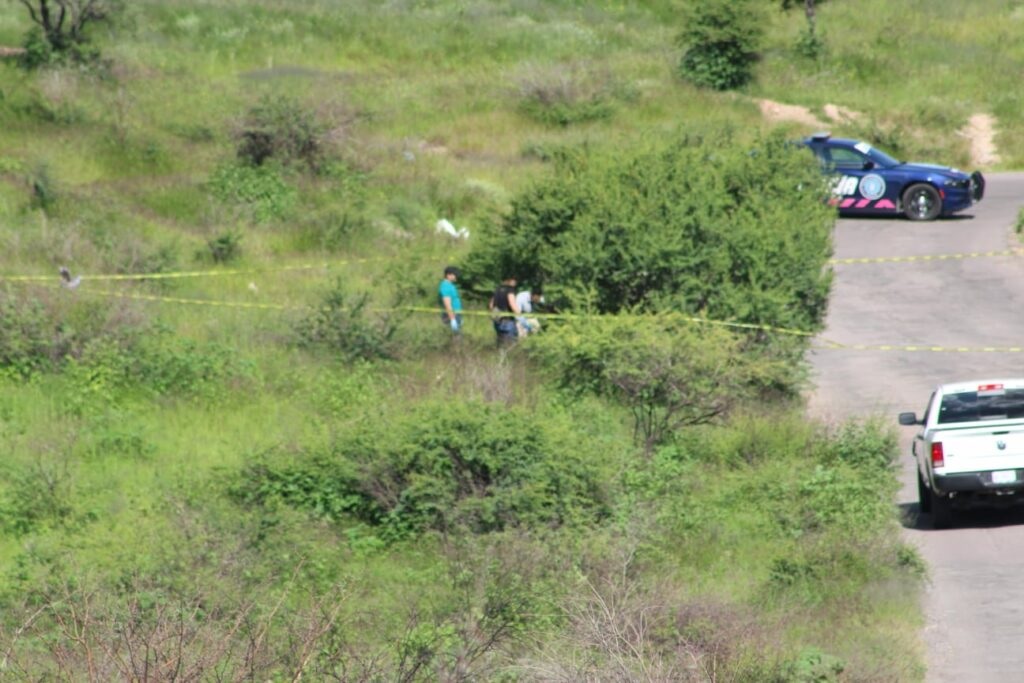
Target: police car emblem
x=872 y=186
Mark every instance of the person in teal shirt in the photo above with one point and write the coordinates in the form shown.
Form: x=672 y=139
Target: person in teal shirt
x=451 y=303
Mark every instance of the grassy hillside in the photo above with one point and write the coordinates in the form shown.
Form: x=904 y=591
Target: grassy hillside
x=198 y=480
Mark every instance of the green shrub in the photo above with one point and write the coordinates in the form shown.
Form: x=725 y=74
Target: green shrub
x=442 y=466
x=41 y=329
x=814 y=666
x=170 y=365
x=869 y=445
x=565 y=95
x=714 y=226
x=344 y=324
x=25 y=335
x=141 y=257
x=810 y=45
x=260 y=190
x=38 y=51
x=44 y=187
x=114 y=434
x=720 y=39
x=225 y=247
x=278 y=128
x=842 y=498
x=669 y=372
x=154 y=365
x=36 y=494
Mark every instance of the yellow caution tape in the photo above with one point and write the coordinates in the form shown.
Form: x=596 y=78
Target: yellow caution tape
x=927 y=257
x=326 y=265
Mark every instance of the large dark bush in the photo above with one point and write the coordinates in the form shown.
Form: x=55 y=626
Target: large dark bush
x=280 y=128
x=720 y=39
x=731 y=229
x=442 y=466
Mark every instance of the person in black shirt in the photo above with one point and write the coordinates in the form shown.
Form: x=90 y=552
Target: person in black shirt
x=504 y=302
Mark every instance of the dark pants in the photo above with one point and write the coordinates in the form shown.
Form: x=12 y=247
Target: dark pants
x=506 y=330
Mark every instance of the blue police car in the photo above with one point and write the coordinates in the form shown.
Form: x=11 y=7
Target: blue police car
x=868 y=181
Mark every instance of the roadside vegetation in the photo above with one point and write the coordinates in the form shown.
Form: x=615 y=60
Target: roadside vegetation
x=315 y=479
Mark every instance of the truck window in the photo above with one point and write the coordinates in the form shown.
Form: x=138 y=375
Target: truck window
x=973 y=406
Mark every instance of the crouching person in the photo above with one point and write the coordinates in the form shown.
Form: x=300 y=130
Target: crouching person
x=504 y=310
x=526 y=300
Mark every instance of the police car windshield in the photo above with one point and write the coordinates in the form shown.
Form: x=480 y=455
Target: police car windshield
x=881 y=158
x=973 y=406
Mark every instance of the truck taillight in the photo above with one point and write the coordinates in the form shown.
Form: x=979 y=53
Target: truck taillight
x=937 y=459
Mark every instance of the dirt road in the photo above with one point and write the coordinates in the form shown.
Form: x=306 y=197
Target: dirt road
x=975 y=601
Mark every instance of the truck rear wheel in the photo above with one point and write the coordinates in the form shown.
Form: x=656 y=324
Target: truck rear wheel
x=924 y=495
x=942 y=510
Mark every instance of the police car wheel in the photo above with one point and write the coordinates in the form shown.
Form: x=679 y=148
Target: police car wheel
x=921 y=202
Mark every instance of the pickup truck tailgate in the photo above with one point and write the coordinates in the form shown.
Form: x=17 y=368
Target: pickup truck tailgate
x=973 y=449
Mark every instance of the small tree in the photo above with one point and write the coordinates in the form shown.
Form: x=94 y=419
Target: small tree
x=810 y=43
x=720 y=39
x=62 y=26
x=669 y=372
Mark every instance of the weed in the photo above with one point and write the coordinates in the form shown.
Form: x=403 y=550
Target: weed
x=344 y=324
x=44 y=187
x=261 y=191
x=810 y=44
x=39 y=492
x=564 y=95
x=225 y=247
x=814 y=666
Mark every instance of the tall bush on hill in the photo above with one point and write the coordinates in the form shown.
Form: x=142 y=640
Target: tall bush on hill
x=279 y=128
x=711 y=226
x=720 y=39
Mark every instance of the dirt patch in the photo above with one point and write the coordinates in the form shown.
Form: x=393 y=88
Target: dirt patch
x=6 y=52
x=842 y=114
x=777 y=112
x=980 y=132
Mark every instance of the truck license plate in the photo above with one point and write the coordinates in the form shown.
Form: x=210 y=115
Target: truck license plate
x=1004 y=477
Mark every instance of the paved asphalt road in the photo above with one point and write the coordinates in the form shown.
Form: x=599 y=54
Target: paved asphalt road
x=974 y=604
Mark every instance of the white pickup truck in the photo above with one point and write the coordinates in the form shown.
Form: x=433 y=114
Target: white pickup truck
x=970 y=445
